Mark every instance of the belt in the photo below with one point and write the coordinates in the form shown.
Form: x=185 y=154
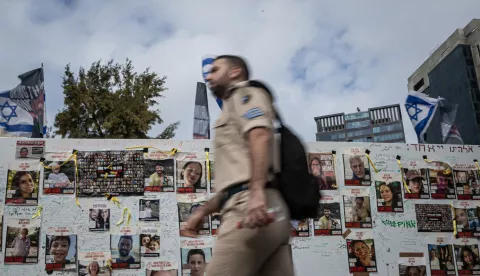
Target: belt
x=237 y=188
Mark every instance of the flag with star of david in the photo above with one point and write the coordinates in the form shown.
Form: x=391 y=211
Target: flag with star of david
x=420 y=109
x=22 y=109
x=207 y=61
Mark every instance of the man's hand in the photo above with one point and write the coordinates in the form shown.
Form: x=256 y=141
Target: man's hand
x=193 y=224
x=257 y=215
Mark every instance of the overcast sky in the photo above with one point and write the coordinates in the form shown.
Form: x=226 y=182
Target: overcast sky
x=319 y=56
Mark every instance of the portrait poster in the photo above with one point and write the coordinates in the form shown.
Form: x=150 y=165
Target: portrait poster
x=215 y=223
x=466 y=256
x=191 y=172
x=434 y=217
x=29 y=149
x=212 y=174
x=59 y=173
x=417 y=181
x=118 y=173
x=159 y=172
x=187 y=204
x=441 y=183
x=99 y=217
x=412 y=266
x=388 y=187
x=465 y=177
x=300 y=228
x=162 y=268
x=196 y=255
x=22 y=183
x=150 y=239
x=61 y=250
x=467 y=219
x=356 y=168
x=356 y=204
x=329 y=218
x=125 y=248
x=440 y=256
x=322 y=165
x=22 y=241
x=361 y=252
x=93 y=263
x=149 y=209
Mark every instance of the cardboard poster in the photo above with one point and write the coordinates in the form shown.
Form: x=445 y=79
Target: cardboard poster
x=322 y=165
x=22 y=241
x=388 y=187
x=440 y=256
x=162 y=268
x=434 y=217
x=22 y=183
x=29 y=149
x=187 y=204
x=329 y=218
x=118 y=173
x=125 y=248
x=356 y=168
x=93 y=263
x=149 y=209
x=300 y=228
x=150 y=239
x=412 y=266
x=215 y=223
x=361 y=252
x=441 y=184
x=61 y=250
x=465 y=176
x=417 y=181
x=466 y=256
x=159 y=172
x=99 y=217
x=356 y=204
x=196 y=255
x=466 y=216
x=191 y=172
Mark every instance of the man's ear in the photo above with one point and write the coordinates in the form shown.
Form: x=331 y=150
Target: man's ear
x=234 y=72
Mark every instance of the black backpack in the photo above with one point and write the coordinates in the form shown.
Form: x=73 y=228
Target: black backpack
x=299 y=188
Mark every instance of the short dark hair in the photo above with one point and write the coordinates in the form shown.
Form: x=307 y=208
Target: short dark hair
x=126 y=238
x=237 y=61
x=195 y=251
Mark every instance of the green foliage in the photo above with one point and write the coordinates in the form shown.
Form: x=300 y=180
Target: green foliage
x=111 y=101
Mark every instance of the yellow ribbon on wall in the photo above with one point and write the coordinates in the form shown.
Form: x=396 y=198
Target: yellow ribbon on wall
x=109 y=263
x=454 y=221
x=446 y=171
x=367 y=152
x=113 y=199
x=208 y=164
x=403 y=177
x=39 y=212
x=478 y=166
x=75 y=160
x=126 y=211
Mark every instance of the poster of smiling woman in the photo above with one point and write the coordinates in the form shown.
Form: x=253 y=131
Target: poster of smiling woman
x=22 y=183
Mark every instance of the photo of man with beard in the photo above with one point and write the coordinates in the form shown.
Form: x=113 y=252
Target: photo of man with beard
x=61 y=253
x=125 y=251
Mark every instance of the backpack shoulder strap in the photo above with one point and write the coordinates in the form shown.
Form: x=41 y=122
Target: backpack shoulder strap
x=259 y=84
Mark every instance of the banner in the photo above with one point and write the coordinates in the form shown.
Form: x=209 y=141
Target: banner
x=420 y=109
x=22 y=109
x=201 y=117
x=207 y=61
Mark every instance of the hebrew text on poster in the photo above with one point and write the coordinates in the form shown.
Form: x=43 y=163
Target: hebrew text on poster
x=22 y=183
x=388 y=187
x=196 y=255
x=159 y=172
x=329 y=218
x=322 y=165
x=187 y=205
x=356 y=204
x=465 y=176
x=361 y=252
x=434 y=217
x=22 y=241
x=59 y=173
x=191 y=173
x=356 y=168
x=417 y=181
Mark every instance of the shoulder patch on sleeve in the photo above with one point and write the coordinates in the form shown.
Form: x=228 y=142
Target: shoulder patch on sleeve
x=253 y=113
x=245 y=98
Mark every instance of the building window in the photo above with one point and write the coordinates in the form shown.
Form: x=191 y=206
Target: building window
x=381 y=129
x=356 y=116
x=419 y=85
x=388 y=137
x=360 y=124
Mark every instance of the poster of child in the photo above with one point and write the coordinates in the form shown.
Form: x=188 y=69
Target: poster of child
x=61 y=252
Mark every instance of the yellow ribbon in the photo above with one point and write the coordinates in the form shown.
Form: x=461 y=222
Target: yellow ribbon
x=454 y=221
x=371 y=163
x=446 y=171
x=109 y=263
x=173 y=151
x=208 y=165
x=478 y=166
x=113 y=199
x=140 y=147
x=76 y=174
x=129 y=216
x=39 y=212
x=334 y=158
x=403 y=178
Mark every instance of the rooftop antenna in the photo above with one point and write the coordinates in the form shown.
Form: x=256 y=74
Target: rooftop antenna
x=358 y=109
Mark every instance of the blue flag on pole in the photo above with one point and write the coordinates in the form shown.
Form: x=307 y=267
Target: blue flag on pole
x=420 y=108
x=207 y=61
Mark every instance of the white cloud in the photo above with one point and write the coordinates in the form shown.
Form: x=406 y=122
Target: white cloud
x=348 y=53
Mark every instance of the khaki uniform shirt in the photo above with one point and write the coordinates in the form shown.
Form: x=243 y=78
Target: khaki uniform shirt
x=246 y=108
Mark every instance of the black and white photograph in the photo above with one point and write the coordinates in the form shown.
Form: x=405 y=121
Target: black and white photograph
x=149 y=209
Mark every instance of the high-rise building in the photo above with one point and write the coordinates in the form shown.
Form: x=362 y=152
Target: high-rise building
x=452 y=72
x=380 y=124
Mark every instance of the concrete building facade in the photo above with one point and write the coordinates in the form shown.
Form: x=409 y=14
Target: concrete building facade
x=453 y=72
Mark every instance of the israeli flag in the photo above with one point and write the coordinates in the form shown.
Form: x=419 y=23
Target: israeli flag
x=14 y=120
x=207 y=61
x=420 y=108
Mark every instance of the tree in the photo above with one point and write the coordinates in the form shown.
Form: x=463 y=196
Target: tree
x=111 y=101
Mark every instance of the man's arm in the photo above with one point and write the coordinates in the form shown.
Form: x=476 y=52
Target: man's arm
x=259 y=140
x=212 y=205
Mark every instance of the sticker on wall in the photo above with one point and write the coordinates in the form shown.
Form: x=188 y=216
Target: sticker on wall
x=22 y=183
x=196 y=255
x=125 y=248
x=322 y=165
x=29 y=149
x=22 y=241
x=99 y=217
x=93 y=263
x=356 y=168
x=434 y=217
x=191 y=173
x=59 y=173
x=409 y=266
x=356 y=204
x=466 y=256
x=361 y=252
x=159 y=172
x=465 y=176
x=388 y=187
x=417 y=181
x=329 y=218
x=187 y=205
x=61 y=250
x=466 y=216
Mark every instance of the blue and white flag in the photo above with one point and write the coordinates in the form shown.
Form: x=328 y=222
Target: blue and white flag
x=207 y=61
x=420 y=108
x=22 y=109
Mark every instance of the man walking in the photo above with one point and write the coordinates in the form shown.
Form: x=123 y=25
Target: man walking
x=251 y=241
